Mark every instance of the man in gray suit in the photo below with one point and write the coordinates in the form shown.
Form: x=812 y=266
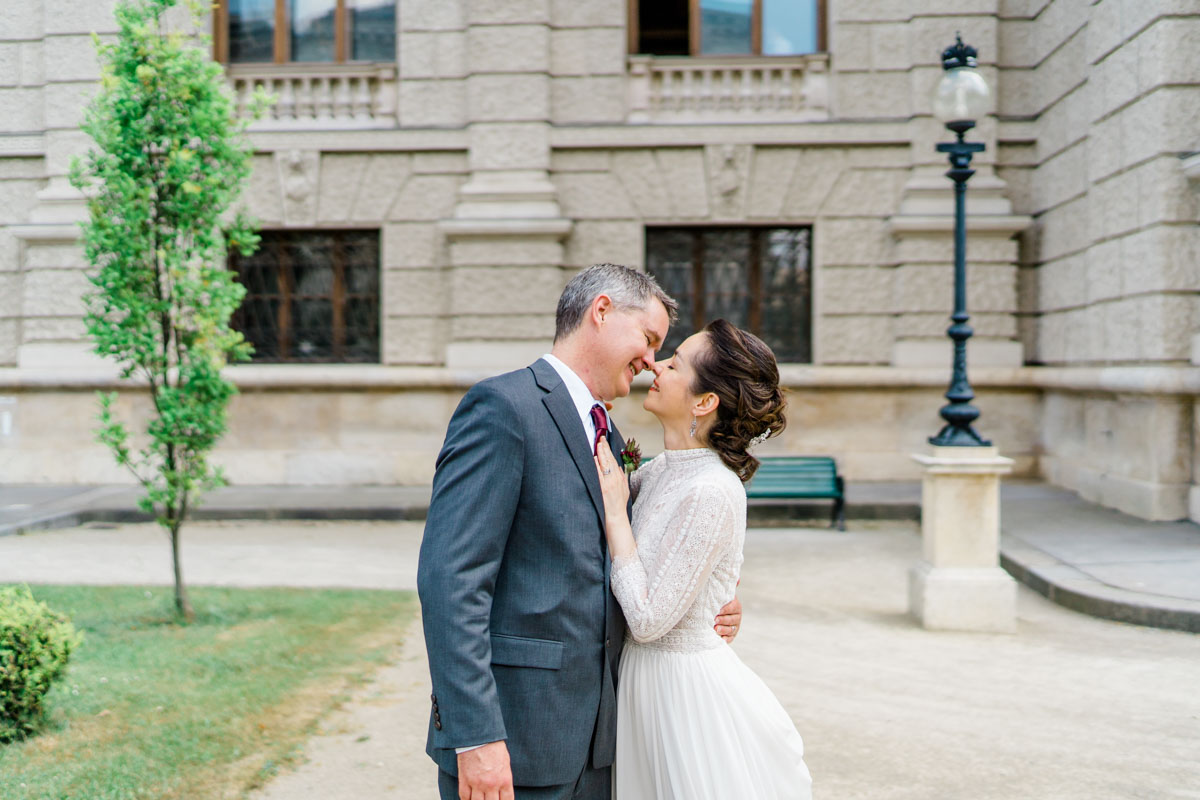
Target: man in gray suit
x=522 y=631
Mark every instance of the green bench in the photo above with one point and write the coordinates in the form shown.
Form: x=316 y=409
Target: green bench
x=801 y=477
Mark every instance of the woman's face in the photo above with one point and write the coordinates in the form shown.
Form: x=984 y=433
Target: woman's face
x=670 y=397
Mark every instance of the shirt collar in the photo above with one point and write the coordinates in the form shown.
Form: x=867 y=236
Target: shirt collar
x=581 y=396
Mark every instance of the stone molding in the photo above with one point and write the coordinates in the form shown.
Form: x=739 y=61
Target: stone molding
x=1191 y=167
x=964 y=461
x=780 y=134
x=993 y=225
x=401 y=140
x=22 y=145
x=48 y=233
x=462 y=228
x=1170 y=381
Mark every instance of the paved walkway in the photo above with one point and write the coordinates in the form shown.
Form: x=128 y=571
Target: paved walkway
x=1080 y=555
x=1069 y=708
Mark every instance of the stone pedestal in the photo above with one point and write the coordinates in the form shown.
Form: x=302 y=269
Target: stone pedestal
x=959 y=584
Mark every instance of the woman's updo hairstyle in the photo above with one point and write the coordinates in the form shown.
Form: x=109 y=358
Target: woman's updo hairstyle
x=740 y=370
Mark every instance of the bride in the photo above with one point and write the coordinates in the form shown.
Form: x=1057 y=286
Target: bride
x=693 y=721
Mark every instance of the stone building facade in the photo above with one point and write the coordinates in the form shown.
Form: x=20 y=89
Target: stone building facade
x=511 y=142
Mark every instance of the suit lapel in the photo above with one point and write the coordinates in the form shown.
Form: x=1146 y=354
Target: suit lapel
x=558 y=402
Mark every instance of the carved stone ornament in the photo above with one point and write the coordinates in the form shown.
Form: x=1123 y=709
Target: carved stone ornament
x=729 y=174
x=299 y=172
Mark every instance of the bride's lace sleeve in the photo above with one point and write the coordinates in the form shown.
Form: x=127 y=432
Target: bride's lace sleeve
x=656 y=595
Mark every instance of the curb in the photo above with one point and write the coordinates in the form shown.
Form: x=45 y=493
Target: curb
x=1085 y=594
x=73 y=519
x=760 y=514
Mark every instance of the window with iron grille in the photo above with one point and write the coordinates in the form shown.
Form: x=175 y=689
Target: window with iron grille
x=760 y=279
x=305 y=31
x=311 y=296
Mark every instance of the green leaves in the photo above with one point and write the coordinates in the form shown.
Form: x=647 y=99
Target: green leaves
x=168 y=164
x=35 y=646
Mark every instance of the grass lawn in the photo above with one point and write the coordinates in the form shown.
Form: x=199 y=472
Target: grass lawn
x=151 y=709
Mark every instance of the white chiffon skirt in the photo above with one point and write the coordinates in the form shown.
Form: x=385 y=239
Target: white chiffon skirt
x=700 y=726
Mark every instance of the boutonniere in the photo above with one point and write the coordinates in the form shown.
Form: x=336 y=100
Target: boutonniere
x=631 y=456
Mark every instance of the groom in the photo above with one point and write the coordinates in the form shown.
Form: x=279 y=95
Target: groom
x=523 y=634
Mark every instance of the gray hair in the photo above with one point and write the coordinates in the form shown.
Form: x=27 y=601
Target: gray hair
x=627 y=288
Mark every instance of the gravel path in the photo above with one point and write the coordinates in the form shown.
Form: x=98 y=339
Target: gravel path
x=1069 y=708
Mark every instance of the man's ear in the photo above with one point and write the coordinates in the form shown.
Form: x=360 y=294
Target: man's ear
x=602 y=306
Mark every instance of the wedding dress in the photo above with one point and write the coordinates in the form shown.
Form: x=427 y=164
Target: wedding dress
x=693 y=721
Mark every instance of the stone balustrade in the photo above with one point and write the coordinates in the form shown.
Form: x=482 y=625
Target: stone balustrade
x=319 y=96
x=728 y=88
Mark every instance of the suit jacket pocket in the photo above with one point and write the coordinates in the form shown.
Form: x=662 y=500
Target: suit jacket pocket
x=521 y=651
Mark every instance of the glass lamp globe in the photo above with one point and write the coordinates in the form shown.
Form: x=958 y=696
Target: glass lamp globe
x=961 y=96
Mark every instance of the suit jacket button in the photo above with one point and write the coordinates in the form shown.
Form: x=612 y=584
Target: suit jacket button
x=437 y=724
x=433 y=697
x=607 y=642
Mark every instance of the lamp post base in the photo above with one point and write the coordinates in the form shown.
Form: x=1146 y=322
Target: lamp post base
x=959 y=585
x=963 y=598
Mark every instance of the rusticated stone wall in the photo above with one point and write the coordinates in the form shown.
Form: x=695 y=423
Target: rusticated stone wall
x=1110 y=95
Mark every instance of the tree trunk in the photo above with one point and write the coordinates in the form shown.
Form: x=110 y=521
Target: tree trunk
x=183 y=606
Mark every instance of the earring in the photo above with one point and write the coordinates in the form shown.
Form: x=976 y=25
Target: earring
x=692 y=430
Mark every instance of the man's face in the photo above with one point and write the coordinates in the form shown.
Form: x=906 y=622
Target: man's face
x=629 y=340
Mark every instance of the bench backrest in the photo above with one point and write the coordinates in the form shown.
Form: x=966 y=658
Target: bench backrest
x=793 y=476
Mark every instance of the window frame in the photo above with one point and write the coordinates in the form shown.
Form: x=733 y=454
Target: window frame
x=694 y=31
x=282 y=43
x=754 y=312
x=338 y=295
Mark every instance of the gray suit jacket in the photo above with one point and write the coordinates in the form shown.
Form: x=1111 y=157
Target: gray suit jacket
x=522 y=631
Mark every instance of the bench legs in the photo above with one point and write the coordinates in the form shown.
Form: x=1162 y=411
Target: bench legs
x=839 y=507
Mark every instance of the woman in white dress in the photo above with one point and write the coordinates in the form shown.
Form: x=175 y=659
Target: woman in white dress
x=694 y=722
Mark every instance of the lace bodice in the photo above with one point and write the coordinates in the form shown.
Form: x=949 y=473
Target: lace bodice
x=689 y=520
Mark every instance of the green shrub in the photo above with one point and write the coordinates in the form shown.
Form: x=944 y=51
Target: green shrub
x=35 y=645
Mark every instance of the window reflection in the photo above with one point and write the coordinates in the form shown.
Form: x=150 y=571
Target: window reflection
x=373 y=30
x=725 y=26
x=313 y=29
x=789 y=27
x=251 y=30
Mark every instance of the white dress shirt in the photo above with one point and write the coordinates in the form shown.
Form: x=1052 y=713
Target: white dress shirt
x=582 y=397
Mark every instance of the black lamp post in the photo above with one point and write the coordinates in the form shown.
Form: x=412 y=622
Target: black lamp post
x=962 y=97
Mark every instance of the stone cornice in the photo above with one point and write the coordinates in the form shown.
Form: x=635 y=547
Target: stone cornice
x=895 y=133
x=52 y=232
x=985 y=224
x=1183 y=381
x=372 y=141
x=886 y=133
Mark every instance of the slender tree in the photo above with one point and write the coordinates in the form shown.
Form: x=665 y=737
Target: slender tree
x=168 y=163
